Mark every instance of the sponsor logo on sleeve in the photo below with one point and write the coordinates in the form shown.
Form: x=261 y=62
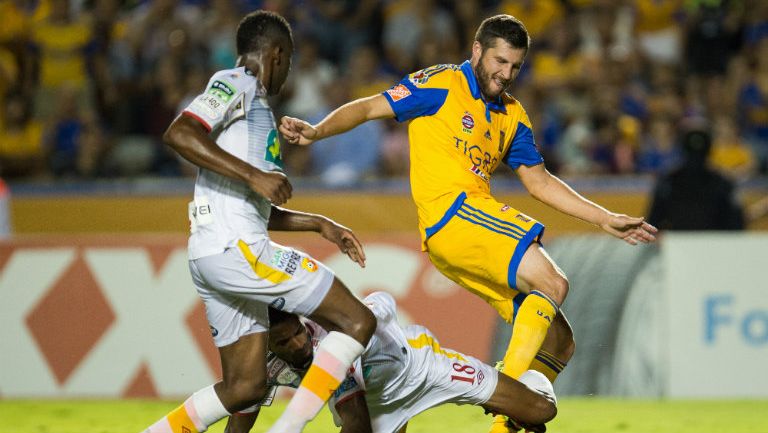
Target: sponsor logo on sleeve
x=222 y=90
x=399 y=92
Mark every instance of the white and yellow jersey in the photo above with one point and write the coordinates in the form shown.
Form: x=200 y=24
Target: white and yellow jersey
x=234 y=109
x=404 y=371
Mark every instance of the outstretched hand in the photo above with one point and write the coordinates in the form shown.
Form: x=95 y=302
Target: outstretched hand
x=345 y=240
x=297 y=131
x=632 y=230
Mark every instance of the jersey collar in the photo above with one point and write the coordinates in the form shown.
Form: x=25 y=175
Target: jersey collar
x=474 y=88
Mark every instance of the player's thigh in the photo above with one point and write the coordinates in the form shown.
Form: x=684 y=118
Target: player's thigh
x=341 y=311
x=538 y=271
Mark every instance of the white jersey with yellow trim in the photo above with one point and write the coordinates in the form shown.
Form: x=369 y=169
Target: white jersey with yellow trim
x=234 y=109
x=404 y=371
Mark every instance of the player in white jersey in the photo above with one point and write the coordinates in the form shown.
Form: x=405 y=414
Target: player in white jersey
x=229 y=132
x=403 y=372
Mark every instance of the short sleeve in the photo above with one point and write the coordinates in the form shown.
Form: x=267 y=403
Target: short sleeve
x=211 y=107
x=415 y=96
x=522 y=149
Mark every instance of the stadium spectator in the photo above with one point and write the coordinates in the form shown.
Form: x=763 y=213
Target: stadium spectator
x=21 y=141
x=406 y=23
x=62 y=45
x=344 y=160
x=731 y=155
x=694 y=196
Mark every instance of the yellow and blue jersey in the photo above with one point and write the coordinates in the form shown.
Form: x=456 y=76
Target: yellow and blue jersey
x=457 y=138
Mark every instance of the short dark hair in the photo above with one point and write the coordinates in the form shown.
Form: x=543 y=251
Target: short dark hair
x=277 y=317
x=503 y=26
x=259 y=29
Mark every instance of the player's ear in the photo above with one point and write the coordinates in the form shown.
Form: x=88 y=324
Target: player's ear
x=277 y=54
x=477 y=49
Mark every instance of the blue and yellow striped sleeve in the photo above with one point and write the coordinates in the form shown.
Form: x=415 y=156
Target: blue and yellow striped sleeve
x=522 y=150
x=418 y=94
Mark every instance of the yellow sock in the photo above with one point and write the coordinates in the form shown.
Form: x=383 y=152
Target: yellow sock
x=547 y=364
x=528 y=331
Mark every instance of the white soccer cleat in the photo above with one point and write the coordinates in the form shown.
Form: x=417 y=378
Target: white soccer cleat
x=539 y=383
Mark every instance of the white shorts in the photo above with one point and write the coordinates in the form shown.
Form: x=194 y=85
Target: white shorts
x=239 y=284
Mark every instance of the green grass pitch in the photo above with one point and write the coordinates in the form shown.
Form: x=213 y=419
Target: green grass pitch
x=576 y=415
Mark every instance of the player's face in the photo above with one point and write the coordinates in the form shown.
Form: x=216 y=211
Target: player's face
x=291 y=342
x=496 y=67
x=281 y=66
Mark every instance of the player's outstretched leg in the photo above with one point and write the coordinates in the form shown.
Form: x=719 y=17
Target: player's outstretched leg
x=351 y=325
x=547 y=287
x=243 y=366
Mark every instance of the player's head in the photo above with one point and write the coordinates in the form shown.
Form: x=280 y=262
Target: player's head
x=264 y=47
x=696 y=143
x=289 y=339
x=500 y=46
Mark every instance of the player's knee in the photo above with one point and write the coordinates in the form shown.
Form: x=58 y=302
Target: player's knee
x=244 y=392
x=558 y=289
x=363 y=326
x=542 y=411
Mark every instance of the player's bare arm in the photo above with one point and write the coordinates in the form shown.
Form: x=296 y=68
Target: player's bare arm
x=354 y=415
x=342 y=119
x=190 y=139
x=343 y=237
x=549 y=189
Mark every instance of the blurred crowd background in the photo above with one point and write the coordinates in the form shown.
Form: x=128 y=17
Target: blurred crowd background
x=88 y=87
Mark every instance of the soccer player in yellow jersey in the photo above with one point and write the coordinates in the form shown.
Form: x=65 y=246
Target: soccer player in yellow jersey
x=463 y=123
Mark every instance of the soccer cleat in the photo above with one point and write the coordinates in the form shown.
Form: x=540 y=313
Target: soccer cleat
x=501 y=424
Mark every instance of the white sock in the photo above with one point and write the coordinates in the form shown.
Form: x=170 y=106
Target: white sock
x=333 y=358
x=197 y=413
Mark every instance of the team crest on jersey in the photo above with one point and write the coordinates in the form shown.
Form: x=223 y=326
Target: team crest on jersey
x=308 y=264
x=273 y=149
x=467 y=122
x=398 y=92
x=222 y=90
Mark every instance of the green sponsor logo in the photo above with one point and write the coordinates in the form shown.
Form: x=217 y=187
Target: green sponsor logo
x=273 y=149
x=222 y=90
